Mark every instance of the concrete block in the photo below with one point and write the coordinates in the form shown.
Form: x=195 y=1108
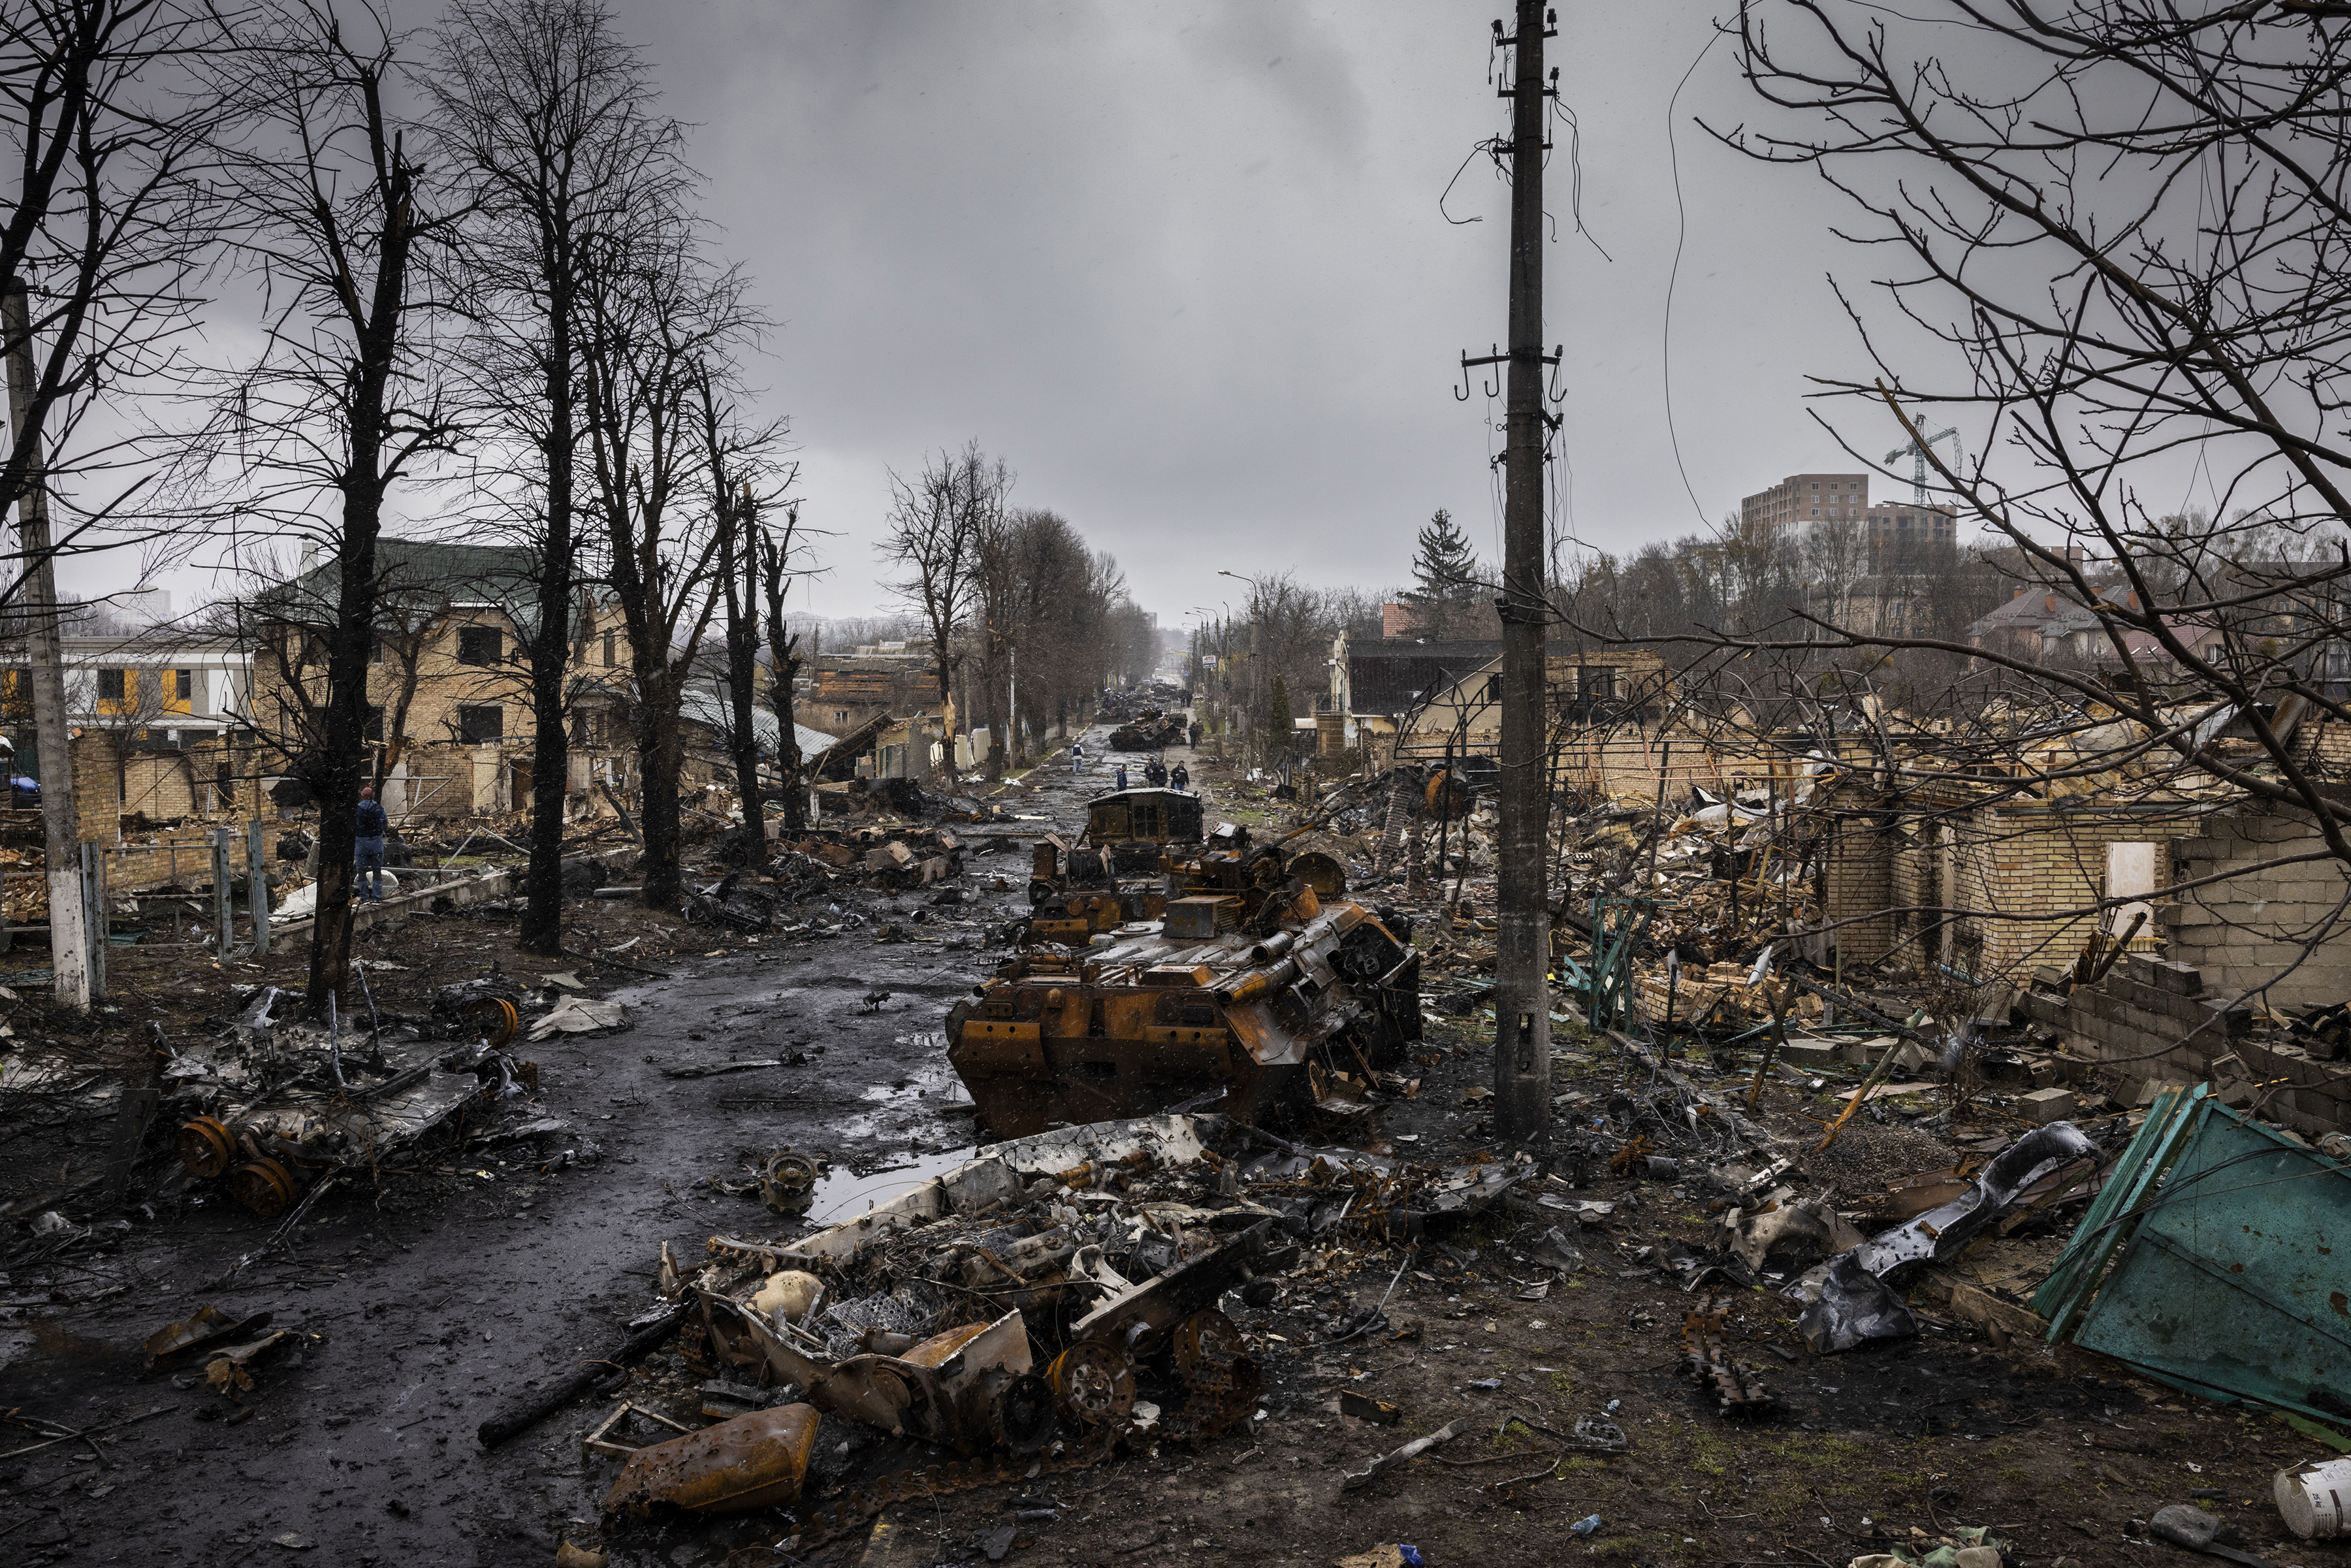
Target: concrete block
x=2046 y=1105
x=2151 y=1000
x=1809 y=1055
x=2236 y=1017
x=1865 y=1052
x=2164 y=973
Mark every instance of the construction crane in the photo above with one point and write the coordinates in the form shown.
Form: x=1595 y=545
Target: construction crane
x=1917 y=452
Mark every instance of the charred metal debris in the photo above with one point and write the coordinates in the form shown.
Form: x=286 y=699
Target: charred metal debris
x=1056 y=1302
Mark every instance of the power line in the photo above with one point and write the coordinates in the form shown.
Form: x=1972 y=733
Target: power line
x=1681 y=231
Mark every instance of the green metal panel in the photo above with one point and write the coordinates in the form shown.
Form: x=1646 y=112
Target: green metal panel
x=2112 y=1217
x=2230 y=1260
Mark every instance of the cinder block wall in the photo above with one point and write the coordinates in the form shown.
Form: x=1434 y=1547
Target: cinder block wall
x=2150 y=1020
x=155 y=783
x=2013 y=869
x=98 y=793
x=2252 y=932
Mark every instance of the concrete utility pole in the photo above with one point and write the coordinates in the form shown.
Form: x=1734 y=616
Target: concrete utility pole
x=1522 y=945
x=69 y=938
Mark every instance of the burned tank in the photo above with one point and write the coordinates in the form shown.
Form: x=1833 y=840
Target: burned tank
x=1247 y=990
x=1114 y=872
x=1152 y=730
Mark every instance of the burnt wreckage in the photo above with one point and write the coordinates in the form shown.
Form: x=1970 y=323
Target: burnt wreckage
x=1164 y=966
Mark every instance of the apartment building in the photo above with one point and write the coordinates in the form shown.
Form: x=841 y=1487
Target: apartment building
x=1808 y=498
x=1896 y=525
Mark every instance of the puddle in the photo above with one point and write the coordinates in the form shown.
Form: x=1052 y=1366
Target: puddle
x=929 y=1087
x=845 y=1194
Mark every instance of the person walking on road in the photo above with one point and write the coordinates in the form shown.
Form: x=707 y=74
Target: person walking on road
x=1122 y=775
x=1077 y=758
x=1180 y=777
x=367 y=847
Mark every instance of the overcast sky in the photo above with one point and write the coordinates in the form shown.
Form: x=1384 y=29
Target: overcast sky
x=1183 y=266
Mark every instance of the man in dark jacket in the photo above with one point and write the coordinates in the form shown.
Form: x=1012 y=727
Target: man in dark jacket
x=368 y=847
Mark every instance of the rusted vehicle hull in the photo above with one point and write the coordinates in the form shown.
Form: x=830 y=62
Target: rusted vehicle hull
x=1264 y=1022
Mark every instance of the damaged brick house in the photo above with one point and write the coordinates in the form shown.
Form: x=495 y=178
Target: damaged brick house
x=450 y=725
x=158 y=716
x=2233 y=979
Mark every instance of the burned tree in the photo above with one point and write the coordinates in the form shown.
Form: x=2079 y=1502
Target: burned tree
x=336 y=216
x=106 y=118
x=774 y=556
x=732 y=454
x=546 y=112
x=935 y=526
x=659 y=320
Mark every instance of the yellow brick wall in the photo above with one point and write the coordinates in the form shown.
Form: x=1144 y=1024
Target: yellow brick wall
x=97 y=796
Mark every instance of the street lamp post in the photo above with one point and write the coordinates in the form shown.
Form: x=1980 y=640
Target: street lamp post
x=1256 y=699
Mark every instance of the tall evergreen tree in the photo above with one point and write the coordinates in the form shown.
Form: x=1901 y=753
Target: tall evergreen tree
x=1445 y=569
x=1278 y=715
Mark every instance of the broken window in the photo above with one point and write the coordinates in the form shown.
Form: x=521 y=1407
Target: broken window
x=111 y=685
x=480 y=645
x=479 y=725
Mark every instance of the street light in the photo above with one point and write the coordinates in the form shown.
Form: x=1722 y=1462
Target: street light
x=1257 y=643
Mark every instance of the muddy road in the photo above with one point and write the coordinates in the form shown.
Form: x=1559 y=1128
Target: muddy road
x=442 y=1301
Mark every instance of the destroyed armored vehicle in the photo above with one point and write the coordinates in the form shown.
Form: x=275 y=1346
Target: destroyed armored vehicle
x=1113 y=874
x=1118 y=870
x=1242 y=981
x=275 y=1108
x=1153 y=730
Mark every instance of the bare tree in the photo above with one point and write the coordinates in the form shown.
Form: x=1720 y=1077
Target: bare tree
x=2128 y=294
x=933 y=533
x=2116 y=233
x=734 y=454
x=343 y=403
x=775 y=559
x=109 y=112
x=547 y=113
x=659 y=320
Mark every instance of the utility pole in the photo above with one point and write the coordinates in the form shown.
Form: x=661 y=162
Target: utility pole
x=1522 y=945
x=68 y=943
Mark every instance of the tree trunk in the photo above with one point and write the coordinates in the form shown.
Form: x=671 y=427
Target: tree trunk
x=946 y=699
x=739 y=561
x=660 y=761
x=784 y=659
x=344 y=744
x=343 y=748
x=550 y=652
x=985 y=710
